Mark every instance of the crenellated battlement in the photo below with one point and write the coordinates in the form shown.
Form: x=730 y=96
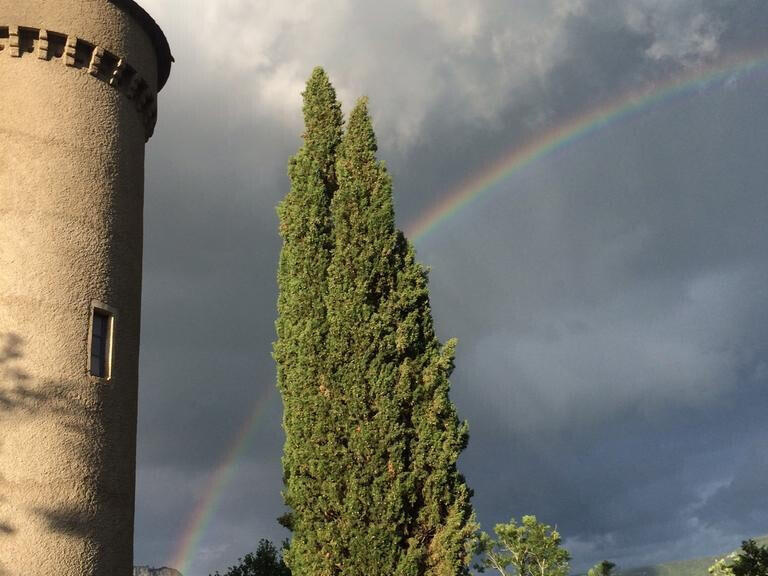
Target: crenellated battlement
x=78 y=54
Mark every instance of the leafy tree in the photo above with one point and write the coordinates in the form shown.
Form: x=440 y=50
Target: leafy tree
x=751 y=561
x=266 y=561
x=723 y=566
x=372 y=438
x=311 y=448
x=528 y=549
x=604 y=568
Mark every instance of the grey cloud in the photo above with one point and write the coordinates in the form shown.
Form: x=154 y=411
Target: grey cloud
x=409 y=57
x=685 y=31
x=740 y=506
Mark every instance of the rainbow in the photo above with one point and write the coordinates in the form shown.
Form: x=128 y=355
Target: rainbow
x=203 y=512
x=508 y=164
x=576 y=128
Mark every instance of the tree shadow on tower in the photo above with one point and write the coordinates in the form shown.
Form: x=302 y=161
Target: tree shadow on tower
x=15 y=395
x=22 y=395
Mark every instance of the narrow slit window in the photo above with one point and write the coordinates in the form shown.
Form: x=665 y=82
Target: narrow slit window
x=101 y=336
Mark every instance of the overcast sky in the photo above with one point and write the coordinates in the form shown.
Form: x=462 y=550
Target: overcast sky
x=611 y=299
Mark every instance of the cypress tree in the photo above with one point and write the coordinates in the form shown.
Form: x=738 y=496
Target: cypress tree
x=372 y=438
x=309 y=454
x=405 y=508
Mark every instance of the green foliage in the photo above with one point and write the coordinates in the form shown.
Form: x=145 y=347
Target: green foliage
x=528 y=549
x=372 y=438
x=311 y=443
x=604 y=568
x=266 y=561
x=723 y=566
x=751 y=561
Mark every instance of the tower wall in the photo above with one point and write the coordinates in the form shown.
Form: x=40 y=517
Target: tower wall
x=79 y=80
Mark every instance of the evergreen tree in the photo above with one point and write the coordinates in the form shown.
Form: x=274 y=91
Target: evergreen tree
x=406 y=509
x=604 y=568
x=310 y=449
x=372 y=438
x=752 y=560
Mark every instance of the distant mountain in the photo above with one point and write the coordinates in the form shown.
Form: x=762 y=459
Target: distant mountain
x=692 y=567
x=147 y=571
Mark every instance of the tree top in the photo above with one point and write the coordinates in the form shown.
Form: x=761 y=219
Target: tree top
x=360 y=136
x=323 y=121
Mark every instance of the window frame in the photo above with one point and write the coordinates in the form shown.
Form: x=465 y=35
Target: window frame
x=99 y=308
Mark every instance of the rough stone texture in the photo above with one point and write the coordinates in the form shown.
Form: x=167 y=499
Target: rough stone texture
x=71 y=198
x=147 y=571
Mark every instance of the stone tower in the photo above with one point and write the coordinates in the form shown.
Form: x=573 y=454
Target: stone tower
x=79 y=83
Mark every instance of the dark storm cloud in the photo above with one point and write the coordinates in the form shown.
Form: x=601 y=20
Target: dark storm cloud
x=622 y=339
x=215 y=175
x=740 y=505
x=610 y=300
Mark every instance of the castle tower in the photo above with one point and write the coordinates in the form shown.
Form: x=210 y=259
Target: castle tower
x=79 y=85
